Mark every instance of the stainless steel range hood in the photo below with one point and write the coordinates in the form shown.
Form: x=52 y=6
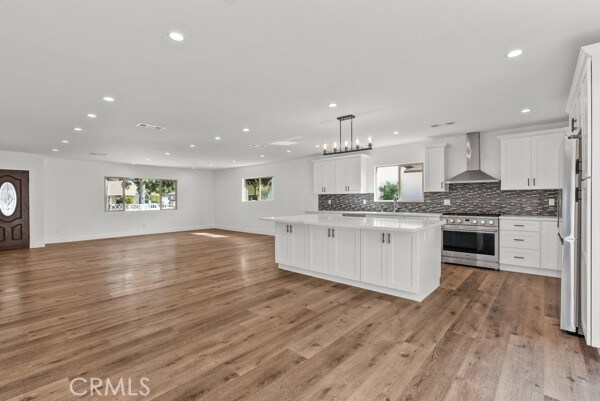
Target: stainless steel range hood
x=473 y=175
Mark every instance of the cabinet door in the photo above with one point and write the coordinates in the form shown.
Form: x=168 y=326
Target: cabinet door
x=319 y=177
x=434 y=170
x=516 y=163
x=318 y=240
x=330 y=176
x=281 y=244
x=356 y=174
x=297 y=246
x=341 y=176
x=373 y=257
x=585 y=122
x=345 y=253
x=545 y=161
x=401 y=265
x=550 y=247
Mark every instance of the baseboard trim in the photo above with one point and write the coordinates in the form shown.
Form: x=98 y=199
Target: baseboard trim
x=245 y=230
x=531 y=270
x=89 y=237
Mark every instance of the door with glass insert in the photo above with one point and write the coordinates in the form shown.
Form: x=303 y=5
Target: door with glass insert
x=14 y=209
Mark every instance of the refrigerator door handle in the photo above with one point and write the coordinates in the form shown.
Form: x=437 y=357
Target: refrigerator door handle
x=562 y=240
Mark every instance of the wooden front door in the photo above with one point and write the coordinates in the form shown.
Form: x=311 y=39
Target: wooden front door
x=14 y=209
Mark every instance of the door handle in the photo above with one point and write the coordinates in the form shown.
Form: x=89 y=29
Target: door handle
x=291 y=229
x=534 y=181
x=442 y=185
x=528 y=182
x=329 y=232
x=333 y=233
x=389 y=239
x=573 y=124
x=383 y=238
x=562 y=240
x=287 y=228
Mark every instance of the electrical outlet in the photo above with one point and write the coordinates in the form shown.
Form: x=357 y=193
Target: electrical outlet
x=364 y=201
x=551 y=202
x=446 y=202
x=329 y=202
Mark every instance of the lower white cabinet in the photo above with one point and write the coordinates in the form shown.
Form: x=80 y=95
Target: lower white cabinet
x=335 y=251
x=387 y=260
x=291 y=245
x=531 y=246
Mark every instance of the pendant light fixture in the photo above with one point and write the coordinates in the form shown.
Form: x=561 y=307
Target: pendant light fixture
x=352 y=146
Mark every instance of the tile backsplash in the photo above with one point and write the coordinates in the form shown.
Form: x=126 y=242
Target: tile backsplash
x=464 y=198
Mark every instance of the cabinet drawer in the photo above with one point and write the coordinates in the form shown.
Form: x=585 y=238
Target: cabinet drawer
x=520 y=239
x=519 y=225
x=520 y=257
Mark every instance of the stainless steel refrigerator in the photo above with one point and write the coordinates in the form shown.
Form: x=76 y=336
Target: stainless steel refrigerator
x=569 y=215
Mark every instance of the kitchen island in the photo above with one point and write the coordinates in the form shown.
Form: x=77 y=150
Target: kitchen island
x=393 y=256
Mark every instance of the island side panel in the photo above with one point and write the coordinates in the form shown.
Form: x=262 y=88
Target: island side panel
x=430 y=260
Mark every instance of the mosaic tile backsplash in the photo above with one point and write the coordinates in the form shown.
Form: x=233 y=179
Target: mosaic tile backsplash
x=464 y=198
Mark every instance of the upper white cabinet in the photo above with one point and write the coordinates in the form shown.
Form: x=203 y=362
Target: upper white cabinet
x=435 y=168
x=531 y=160
x=340 y=175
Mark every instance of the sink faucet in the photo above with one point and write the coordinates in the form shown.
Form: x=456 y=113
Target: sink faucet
x=395 y=209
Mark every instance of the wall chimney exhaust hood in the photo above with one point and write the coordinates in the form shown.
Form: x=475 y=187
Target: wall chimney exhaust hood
x=473 y=175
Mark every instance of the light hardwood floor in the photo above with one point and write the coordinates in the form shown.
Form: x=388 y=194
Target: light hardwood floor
x=214 y=319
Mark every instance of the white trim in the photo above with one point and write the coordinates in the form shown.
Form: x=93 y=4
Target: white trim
x=531 y=270
x=37 y=244
x=584 y=54
x=87 y=237
x=360 y=284
x=561 y=130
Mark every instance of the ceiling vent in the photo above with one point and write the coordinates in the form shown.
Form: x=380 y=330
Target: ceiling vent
x=256 y=145
x=443 y=124
x=151 y=126
x=98 y=154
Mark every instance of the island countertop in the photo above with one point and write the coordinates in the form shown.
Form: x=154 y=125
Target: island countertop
x=374 y=223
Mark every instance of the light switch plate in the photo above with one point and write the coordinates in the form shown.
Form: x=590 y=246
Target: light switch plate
x=329 y=202
x=551 y=202
x=446 y=202
x=364 y=201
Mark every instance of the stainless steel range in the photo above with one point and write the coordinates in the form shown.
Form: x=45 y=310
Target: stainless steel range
x=471 y=240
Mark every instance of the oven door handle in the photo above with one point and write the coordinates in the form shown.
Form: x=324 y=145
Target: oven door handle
x=471 y=230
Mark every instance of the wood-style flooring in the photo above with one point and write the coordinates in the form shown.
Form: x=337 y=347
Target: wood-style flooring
x=212 y=318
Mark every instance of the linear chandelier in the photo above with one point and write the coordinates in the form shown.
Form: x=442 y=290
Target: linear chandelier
x=353 y=146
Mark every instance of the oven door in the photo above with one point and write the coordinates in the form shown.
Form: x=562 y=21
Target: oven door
x=466 y=243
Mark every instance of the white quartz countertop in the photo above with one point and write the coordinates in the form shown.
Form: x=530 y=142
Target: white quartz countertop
x=529 y=218
x=335 y=220
x=375 y=213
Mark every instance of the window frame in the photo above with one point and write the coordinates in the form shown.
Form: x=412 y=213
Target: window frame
x=160 y=186
x=245 y=192
x=399 y=167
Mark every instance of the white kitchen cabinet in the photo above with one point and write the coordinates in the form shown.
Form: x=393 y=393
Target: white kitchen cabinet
x=531 y=160
x=435 y=168
x=340 y=174
x=530 y=245
x=550 y=246
x=335 y=251
x=324 y=177
x=291 y=246
x=387 y=260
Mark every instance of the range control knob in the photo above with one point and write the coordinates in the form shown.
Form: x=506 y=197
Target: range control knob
x=482 y=222
x=451 y=220
x=491 y=222
x=474 y=221
x=458 y=221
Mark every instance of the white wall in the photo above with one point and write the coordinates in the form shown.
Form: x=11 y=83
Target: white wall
x=74 y=208
x=34 y=164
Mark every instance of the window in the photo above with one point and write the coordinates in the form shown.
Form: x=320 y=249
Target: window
x=258 y=189
x=403 y=182
x=139 y=194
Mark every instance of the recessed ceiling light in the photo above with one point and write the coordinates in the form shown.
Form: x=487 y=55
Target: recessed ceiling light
x=176 y=36
x=262 y=155
x=55 y=150
x=524 y=111
x=233 y=161
x=77 y=129
x=64 y=141
x=514 y=53
x=288 y=151
x=332 y=105
x=246 y=129
x=90 y=115
x=132 y=162
x=317 y=146
x=192 y=146
x=217 y=138
x=395 y=132
x=108 y=99
x=147 y=160
x=210 y=165
x=167 y=153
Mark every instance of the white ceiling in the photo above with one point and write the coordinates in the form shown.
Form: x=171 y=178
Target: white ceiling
x=273 y=66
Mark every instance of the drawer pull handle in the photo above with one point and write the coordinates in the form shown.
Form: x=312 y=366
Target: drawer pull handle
x=519 y=240
x=329 y=232
x=383 y=238
x=389 y=239
x=518 y=225
x=518 y=257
